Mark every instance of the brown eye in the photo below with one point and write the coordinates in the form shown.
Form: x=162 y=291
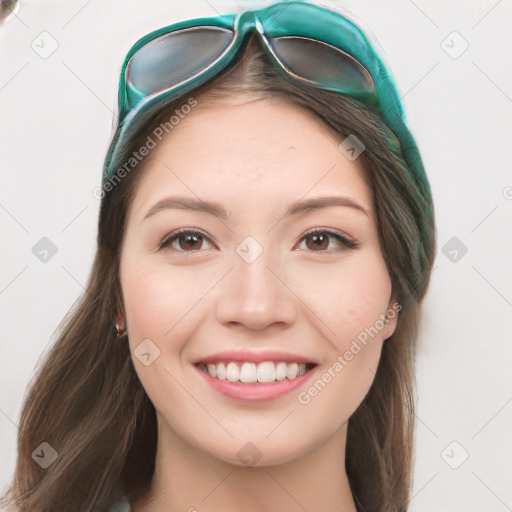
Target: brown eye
x=320 y=240
x=187 y=241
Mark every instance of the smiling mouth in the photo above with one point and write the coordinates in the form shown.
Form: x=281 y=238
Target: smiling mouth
x=251 y=373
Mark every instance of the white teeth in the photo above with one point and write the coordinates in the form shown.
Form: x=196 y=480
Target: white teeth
x=291 y=370
x=212 y=370
x=232 y=372
x=248 y=372
x=267 y=371
x=281 y=371
x=221 y=371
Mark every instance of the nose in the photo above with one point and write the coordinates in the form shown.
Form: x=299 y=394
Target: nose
x=256 y=296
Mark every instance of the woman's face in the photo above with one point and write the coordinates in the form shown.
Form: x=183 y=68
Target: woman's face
x=247 y=291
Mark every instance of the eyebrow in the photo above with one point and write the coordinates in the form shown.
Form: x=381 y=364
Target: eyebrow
x=218 y=210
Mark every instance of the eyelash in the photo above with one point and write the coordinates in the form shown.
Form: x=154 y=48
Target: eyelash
x=167 y=241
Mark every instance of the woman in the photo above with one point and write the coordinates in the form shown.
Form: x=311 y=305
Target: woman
x=266 y=237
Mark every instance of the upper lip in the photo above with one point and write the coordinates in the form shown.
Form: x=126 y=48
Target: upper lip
x=254 y=356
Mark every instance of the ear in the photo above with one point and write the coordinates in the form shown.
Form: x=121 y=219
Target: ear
x=120 y=318
x=394 y=308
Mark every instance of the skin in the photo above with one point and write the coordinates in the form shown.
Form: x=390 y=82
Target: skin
x=255 y=157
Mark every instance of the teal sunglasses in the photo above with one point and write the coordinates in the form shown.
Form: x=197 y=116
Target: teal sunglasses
x=307 y=43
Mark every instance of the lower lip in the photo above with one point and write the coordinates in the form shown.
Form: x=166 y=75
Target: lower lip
x=258 y=391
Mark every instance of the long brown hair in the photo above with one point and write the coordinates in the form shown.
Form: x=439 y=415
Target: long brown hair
x=87 y=402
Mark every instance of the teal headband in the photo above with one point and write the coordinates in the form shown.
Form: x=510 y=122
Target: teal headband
x=307 y=43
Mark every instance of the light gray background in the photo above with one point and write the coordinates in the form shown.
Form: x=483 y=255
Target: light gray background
x=56 y=118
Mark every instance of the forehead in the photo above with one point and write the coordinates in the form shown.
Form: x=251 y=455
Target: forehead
x=240 y=151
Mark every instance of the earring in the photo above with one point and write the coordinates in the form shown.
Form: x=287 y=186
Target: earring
x=120 y=333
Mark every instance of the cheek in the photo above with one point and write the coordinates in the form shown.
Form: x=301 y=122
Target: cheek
x=347 y=297
x=348 y=303
x=158 y=298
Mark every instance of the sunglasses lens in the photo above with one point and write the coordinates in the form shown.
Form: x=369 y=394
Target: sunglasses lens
x=324 y=65
x=173 y=58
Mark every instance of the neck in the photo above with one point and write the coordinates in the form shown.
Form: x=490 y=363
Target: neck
x=188 y=479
